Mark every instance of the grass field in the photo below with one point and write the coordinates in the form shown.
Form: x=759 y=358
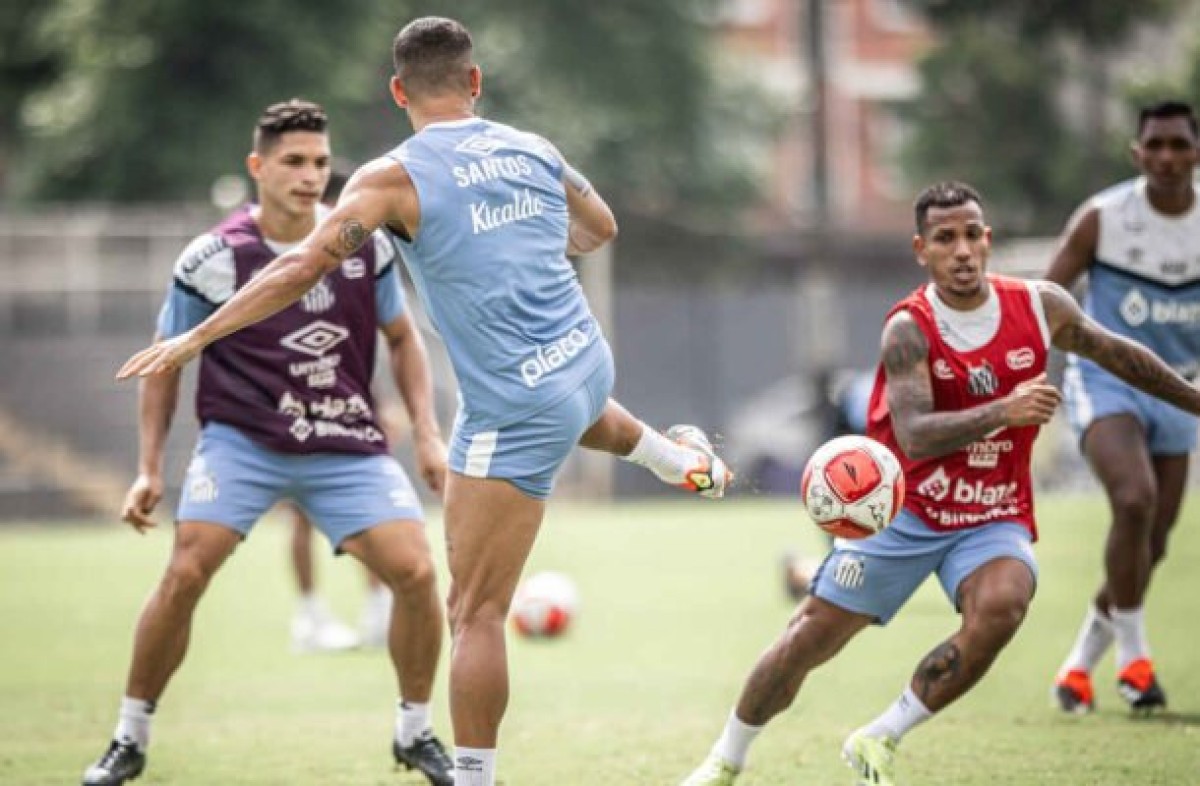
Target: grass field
x=678 y=601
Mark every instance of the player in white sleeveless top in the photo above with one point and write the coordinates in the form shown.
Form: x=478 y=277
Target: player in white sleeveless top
x=1139 y=244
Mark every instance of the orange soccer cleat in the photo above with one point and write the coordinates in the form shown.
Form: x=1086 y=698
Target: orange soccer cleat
x=1073 y=692
x=1139 y=687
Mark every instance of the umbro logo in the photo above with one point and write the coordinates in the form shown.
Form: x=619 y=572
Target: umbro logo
x=479 y=145
x=315 y=338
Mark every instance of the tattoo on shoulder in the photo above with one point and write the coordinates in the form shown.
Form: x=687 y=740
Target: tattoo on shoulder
x=351 y=235
x=904 y=346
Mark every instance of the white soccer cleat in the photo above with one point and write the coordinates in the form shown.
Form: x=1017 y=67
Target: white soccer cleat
x=713 y=772
x=317 y=630
x=709 y=477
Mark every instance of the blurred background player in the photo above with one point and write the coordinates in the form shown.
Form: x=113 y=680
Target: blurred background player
x=959 y=397
x=1139 y=244
x=486 y=245
x=287 y=412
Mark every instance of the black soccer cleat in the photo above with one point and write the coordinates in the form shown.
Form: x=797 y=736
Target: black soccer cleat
x=1139 y=687
x=428 y=756
x=121 y=762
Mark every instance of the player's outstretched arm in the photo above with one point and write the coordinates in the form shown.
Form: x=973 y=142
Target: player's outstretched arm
x=410 y=370
x=1076 y=247
x=1071 y=330
x=923 y=432
x=380 y=192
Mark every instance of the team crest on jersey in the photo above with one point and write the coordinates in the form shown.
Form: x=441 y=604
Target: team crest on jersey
x=479 y=145
x=982 y=380
x=318 y=299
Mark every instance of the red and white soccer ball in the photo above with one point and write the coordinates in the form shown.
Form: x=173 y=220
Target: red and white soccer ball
x=544 y=605
x=853 y=487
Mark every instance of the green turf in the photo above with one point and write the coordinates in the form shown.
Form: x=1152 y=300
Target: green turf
x=678 y=601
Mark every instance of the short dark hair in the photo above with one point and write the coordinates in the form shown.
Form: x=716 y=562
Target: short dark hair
x=948 y=194
x=432 y=55
x=294 y=115
x=1165 y=109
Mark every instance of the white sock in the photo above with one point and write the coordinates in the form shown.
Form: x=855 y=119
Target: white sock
x=898 y=719
x=1094 y=639
x=735 y=741
x=474 y=766
x=310 y=605
x=412 y=721
x=667 y=459
x=133 y=722
x=1129 y=625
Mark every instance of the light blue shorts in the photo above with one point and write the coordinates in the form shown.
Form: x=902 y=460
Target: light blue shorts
x=529 y=454
x=1092 y=393
x=232 y=481
x=877 y=575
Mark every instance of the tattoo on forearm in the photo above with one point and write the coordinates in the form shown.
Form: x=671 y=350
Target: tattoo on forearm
x=910 y=399
x=351 y=235
x=941 y=666
x=1131 y=362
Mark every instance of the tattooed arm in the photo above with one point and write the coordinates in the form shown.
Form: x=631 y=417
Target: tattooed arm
x=381 y=192
x=923 y=432
x=1073 y=331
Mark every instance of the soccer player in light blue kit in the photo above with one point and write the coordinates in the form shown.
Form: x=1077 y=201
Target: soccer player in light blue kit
x=1139 y=244
x=486 y=215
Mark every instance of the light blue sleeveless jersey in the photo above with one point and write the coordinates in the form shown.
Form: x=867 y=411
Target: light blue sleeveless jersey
x=1145 y=280
x=489 y=263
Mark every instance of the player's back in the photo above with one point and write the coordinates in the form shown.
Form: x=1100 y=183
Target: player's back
x=488 y=260
x=1145 y=280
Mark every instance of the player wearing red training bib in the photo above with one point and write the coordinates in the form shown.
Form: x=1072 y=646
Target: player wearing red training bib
x=959 y=399
x=986 y=480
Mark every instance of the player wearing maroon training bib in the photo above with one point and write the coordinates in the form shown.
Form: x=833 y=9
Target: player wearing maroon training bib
x=960 y=395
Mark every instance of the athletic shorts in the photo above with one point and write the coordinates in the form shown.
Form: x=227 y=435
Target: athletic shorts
x=875 y=576
x=232 y=481
x=529 y=454
x=1092 y=393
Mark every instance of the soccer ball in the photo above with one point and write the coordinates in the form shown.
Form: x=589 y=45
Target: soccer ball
x=853 y=487
x=544 y=605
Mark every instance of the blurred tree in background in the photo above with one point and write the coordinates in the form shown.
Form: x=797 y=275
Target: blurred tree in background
x=1018 y=98
x=139 y=100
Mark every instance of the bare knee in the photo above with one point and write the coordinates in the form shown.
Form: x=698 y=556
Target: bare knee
x=812 y=638
x=992 y=623
x=416 y=579
x=1133 y=506
x=468 y=609
x=184 y=581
